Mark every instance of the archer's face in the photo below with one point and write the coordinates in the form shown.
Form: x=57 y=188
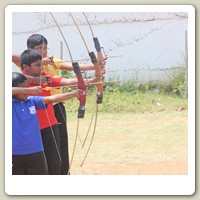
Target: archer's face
x=22 y=97
x=34 y=70
x=42 y=49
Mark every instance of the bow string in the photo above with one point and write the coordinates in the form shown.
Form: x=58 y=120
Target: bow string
x=81 y=85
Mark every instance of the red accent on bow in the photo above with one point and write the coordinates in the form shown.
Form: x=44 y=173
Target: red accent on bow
x=81 y=85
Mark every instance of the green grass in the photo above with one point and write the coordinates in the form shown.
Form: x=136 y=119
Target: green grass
x=138 y=102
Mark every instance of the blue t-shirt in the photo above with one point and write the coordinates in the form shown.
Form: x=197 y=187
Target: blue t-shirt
x=26 y=136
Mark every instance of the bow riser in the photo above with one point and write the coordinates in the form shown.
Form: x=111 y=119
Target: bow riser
x=81 y=85
x=98 y=49
x=98 y=73
x=98 y=69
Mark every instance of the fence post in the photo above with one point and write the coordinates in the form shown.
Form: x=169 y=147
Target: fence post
x=61 y=50
x=186 y=65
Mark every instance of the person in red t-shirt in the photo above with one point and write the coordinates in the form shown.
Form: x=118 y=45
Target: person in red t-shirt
x=31 y=65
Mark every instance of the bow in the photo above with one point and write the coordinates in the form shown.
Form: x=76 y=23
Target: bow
x=98 y=73
x=101 y=58
x=81 y=85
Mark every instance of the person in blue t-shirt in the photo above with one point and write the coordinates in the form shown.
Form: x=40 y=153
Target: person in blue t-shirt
x=28 y=156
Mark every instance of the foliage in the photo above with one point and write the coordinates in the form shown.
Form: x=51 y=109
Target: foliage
x=131 y=97
x=175 y=85
x=65 y=73
x=118 y=102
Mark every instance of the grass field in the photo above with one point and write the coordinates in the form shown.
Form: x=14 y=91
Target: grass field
x=142 y=143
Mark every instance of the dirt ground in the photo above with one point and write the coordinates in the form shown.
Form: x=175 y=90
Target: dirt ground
x=150 y=168
x=133 y=144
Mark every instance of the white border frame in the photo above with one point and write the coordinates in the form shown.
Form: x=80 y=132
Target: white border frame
x=101 y=185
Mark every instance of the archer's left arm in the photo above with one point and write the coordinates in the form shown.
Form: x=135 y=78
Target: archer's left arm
x=74 y=81
x=83 y=67
x=68 y=82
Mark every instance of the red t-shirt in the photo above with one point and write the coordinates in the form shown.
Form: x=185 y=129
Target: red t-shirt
x=45 y=120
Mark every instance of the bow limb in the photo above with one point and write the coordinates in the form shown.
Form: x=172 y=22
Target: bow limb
x=95 y=122
x=98 y=67
x=98 y=71
x=81 y=85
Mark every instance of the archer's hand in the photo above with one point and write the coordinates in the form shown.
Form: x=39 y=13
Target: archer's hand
x=35 y=89
x=41 y=79
x=44 y=79
x=47 y=60
x=102 y=64
x=79 y=93
x=95 y=79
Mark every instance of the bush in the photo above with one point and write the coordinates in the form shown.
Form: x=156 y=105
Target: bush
x=176 y=84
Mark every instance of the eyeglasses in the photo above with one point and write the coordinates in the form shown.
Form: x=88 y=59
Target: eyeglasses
x=41 y=48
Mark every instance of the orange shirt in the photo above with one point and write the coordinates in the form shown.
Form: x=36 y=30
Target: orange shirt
x=53 y=69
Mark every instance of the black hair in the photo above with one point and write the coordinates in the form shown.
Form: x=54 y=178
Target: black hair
x=36 y=39
x=17 y=78
x=29 y=57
